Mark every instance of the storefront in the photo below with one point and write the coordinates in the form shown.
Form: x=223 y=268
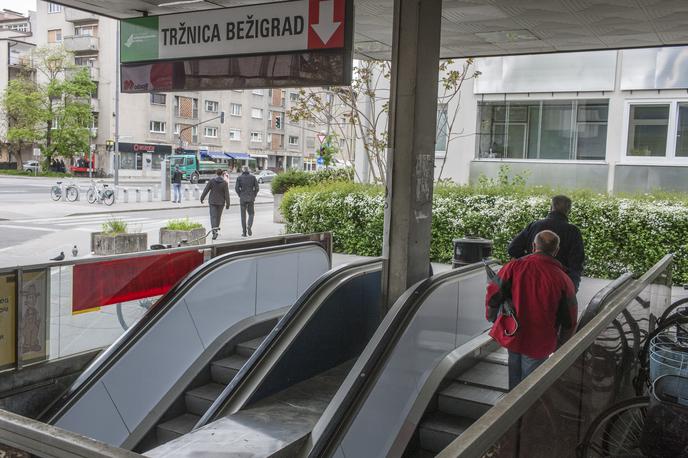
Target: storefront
x=142 y=156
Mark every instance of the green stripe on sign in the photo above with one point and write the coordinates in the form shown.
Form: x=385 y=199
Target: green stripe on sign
x=139 y=39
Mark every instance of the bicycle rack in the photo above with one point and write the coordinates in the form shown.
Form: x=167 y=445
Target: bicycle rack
x=137 y=191
x=196 y=192
x=125 y=195
x=186 y=193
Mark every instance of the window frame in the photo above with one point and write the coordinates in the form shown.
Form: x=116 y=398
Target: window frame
x=260 y=137
x=238 y=137
x=54 y=8
x=56 y=33
x=231 y=109
x=672 y=128
x=289 y=137
x=205 y=132
x=163 y=124
x=164 y=98
x=256 y=117
x=217 y=106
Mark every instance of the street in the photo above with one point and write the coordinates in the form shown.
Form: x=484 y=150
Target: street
x=35 y=229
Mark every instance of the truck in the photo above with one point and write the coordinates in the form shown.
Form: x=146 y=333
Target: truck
x=193 y=168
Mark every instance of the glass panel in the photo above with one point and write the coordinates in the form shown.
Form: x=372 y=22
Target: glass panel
x=442 y=128
x=555 y=139
x=533 y=131
x=682 y=131
x=516 y=141
x=591 y=141
x=647 y=130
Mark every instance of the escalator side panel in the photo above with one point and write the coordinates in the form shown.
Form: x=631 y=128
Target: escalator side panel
x=429 y=337
x=337 y=332
x=142 y=376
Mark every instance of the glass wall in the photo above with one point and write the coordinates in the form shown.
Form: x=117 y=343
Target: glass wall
x=552 y=129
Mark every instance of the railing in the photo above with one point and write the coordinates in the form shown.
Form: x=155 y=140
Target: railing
x=58 y=309
x=78 y=43
x=549 y=412
x=74 y=15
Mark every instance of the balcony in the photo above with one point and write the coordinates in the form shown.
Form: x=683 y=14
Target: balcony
x=81 y=43
x=73 y=15
x=93 y=72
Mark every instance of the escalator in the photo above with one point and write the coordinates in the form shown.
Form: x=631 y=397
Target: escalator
x=157 y=380
x=421 y=390
x=278 y=396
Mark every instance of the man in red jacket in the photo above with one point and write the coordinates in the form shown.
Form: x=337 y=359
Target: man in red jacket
x=543 y=299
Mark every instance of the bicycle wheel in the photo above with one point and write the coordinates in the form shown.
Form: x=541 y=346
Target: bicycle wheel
x=671 y=309
x=616 y=431
x=72 y=193
x=56 y=193
x=108 y=197
x=91 y=196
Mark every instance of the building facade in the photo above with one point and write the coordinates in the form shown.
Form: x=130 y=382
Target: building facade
x=613 y=121
x=152 y=126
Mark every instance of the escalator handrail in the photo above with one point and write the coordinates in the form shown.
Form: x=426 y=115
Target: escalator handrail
x=282 y=326
x=601 y=297
x=395 y=323
x=117 y=349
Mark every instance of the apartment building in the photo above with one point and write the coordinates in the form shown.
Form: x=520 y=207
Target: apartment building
x=152 y=126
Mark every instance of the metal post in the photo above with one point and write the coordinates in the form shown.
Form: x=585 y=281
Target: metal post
x=117 y=89
x=18 y=316
x=410 y=162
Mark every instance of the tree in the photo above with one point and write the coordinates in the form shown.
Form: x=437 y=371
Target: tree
x=53 y=113
x=365 y=106
x=24 y=113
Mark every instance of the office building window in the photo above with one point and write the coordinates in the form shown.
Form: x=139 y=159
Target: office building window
x=552 y=129
x=158 y=99
x=54 y=8
x=86 y=30
x=55 y=36
x=442 y=128
x=682 y=131
x=157 y=127
x=235 y=135
x=210 y=132
x=256 y=137
x=212 y=106
x=647 y=130
x=235 y=109
x=293 y=140
x=293 y=96
x=177 y=129
x=256 y=113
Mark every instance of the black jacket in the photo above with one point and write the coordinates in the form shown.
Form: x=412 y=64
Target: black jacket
x=246 y=187
x=176 y=177
x=219 y=192
x=571 y=251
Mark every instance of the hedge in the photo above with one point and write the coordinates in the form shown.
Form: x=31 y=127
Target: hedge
x=620 y=234
x=283 y=182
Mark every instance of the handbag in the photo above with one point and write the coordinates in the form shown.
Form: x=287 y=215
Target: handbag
x=503 y=316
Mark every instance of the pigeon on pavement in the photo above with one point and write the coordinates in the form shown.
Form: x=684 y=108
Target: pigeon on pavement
x=60 y=257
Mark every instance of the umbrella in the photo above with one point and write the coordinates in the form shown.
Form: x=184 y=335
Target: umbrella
x=506 y=308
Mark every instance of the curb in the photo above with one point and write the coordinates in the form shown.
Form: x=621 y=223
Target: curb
x=151 y=209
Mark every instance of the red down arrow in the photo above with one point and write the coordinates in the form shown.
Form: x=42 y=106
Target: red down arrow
x=326 y=18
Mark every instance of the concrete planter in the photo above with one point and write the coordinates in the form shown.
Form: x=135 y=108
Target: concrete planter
x=104 y=244
x=276 y=213
x=174 y=238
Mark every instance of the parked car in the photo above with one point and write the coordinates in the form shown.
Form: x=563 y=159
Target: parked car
x=265 y=175
x=31 y=166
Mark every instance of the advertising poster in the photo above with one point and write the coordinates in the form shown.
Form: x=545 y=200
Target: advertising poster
x=33 y=329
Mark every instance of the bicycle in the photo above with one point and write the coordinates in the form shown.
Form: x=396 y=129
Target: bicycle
x=70 y=192
x=99 y=192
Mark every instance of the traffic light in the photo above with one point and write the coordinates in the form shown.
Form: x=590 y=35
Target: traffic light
x=278 y=122
x=222 y=117
x=109 y=146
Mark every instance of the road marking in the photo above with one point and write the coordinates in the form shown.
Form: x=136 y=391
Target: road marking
x=30 y=228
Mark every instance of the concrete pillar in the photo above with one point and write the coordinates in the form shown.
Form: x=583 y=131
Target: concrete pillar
x=165 y=183
x=412 y=124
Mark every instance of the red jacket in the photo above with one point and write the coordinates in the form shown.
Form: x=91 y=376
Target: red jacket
x=544 y=300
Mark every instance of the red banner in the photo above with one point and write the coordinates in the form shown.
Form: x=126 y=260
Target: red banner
x=110 y=282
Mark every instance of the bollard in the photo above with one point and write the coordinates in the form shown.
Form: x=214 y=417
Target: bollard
x=156 y=192
x=125 y=194
x=186 y=193
x=138 y=194
x=196 y=192
x=149 y=191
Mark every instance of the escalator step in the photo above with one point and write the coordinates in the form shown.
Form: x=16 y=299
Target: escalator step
x=249 y=347
x=488 y=375
x=467 y=401
x=500 y=356
x=223 y=370
x=176 y=427
x=199 y=400
x=437 y=430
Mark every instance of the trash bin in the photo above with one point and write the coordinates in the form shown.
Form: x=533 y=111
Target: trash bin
x=469 y=250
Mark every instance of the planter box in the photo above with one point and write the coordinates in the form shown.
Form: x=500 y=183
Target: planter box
x=174 y=238
x=276 y=213
x=104 y=244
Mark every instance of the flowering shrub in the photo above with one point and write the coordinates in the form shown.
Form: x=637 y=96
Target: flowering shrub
x=620 y=234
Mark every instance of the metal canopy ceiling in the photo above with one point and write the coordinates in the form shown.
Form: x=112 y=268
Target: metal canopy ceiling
x=483 y=27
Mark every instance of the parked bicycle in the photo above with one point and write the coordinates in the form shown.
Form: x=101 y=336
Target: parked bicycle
x=99 y=192
x=69 y=192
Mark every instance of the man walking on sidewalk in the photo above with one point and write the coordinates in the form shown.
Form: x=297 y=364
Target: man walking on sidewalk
x=247 y=188
x=176 y=185
x=219 y=198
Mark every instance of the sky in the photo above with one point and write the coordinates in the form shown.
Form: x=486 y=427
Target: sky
x=21 y=6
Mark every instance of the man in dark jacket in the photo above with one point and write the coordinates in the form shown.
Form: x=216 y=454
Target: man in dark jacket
x=176 y=185
x=544 y=303
x=219 y=198
x=571 y=252
x=247 y=188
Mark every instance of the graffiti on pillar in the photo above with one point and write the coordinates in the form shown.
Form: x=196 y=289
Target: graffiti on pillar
x=424 y=177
